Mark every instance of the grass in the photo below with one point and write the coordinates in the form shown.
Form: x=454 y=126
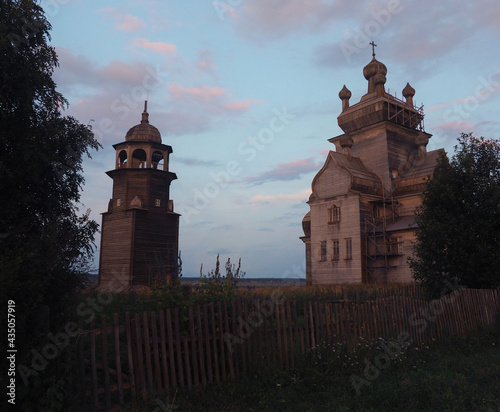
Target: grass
x=187 y=294
x=459 y=374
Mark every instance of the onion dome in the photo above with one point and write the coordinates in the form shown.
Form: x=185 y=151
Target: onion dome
x=345 y=93
x=375 y=72
x=408 y=93
x=144 y=132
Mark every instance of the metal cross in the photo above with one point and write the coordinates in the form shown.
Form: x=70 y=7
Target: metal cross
x=373 y=47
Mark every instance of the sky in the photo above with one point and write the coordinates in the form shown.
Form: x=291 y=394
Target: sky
x=246 y=93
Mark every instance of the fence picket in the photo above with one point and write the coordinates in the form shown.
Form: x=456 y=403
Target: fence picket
x=93 y=364
x=130 y=353
x=214 y=336
x=156 y=353
x=200 y=347
x=105 y=364
x=163 y=346
x=147 y=349
x=207 y=344
x=194 y=360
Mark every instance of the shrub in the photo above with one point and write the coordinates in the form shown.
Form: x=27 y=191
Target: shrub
x=214 y=286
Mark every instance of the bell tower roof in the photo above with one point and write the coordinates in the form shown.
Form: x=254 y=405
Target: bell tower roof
x=144 y=132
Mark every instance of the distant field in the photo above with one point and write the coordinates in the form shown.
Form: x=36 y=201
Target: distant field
x=256 y=282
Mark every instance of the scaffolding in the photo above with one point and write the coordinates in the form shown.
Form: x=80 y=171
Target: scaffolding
x=378 y=244
x=400 y=113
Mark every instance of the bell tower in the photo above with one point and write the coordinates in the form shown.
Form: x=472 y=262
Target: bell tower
x=140 y=231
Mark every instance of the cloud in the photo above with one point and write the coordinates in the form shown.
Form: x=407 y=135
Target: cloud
x=264 y=20
x=124 y=22
x=131 y=23
x=200 y=107
x=114 y=93
x=285 y=171
x=205 y=63
x=418 y=35
x=197 y=162
x=458 y=126
x=205 y=93
x=156 y=47
x=240 y=106
x=303 y=195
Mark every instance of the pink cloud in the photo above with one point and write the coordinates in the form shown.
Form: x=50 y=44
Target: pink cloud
x=299 y=196
x=131 y=23
x=277 y=17
x=125 y=22
x=240 y=106
x=205 y=62
x=205 y=93
x=459 y=126
x=158 y=47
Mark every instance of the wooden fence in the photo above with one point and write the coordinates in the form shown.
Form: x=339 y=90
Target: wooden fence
x=144 y=355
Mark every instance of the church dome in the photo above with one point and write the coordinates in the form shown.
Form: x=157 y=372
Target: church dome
x=374 y=68
x=375 y=72
x=144 y=132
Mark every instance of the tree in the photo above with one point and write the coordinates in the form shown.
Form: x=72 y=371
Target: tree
x=459 y=219
x=44 y=240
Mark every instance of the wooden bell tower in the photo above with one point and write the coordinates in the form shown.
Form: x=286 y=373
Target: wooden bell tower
x=140 y=231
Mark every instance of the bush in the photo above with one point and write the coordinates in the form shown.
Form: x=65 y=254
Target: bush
x=215 y=287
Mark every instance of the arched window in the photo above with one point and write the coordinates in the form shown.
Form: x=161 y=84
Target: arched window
x=139 y=159
x=122 y=159
x=333 y=214
x=157 y=160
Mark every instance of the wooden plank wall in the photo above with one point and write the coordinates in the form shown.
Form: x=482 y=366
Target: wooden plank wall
x=148 y=354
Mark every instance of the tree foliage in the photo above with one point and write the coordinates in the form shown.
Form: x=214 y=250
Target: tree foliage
x=44 y=239
x=459 y=219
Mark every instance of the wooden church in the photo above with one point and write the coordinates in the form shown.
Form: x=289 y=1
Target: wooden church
x=360 y=226
x=140 y=230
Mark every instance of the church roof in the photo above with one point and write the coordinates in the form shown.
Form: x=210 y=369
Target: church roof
x=401 y=223
x=415 y=173
x=144 y=132
x=362 y=180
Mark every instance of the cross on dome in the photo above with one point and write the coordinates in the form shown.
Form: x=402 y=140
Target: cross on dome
x=373 y=48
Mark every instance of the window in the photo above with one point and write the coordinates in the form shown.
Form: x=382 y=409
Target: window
x=335 y=249
x=395 y=246
x=348 y=249
x=323 y=251
x=118 y=202
x=157 y=202
x=333 y=214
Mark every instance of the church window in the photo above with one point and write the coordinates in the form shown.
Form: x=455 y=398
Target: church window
x=323 y=251
x=395 y=246
x=335 y=249
x=333 y=214
x=348 y=249
x=118 y=202
x=157 y=202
